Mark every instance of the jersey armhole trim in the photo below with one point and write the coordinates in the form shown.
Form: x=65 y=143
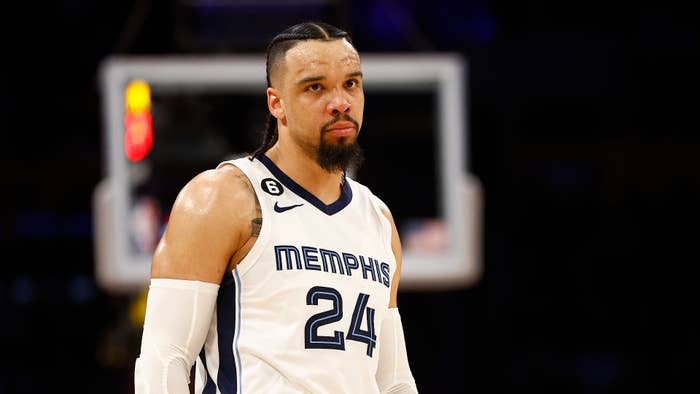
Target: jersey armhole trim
x=244 y=164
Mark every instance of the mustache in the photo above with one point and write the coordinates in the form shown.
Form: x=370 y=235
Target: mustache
x=340 y=118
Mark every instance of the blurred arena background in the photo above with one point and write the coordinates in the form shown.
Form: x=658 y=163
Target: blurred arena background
x=583 y=132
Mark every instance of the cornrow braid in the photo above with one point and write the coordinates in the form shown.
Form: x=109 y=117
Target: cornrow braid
x=277 y=49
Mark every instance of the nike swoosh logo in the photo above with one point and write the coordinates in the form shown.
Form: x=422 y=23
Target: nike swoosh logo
x=287 y=208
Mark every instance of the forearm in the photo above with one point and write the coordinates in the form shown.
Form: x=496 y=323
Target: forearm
x=393 y=373
x=178 y=314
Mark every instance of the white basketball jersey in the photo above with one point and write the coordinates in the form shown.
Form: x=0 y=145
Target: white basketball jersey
x=301 y=313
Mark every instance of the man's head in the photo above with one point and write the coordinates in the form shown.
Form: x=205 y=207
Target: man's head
x=315 y=94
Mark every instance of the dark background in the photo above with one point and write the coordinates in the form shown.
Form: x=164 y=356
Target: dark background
x=584 y=133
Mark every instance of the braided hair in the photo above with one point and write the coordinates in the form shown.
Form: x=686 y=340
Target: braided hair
x=276 y=51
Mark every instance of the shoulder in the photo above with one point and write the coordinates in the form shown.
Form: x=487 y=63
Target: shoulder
x=226 y=181
x=209 y=221
x=215 y=191
x=377 y=202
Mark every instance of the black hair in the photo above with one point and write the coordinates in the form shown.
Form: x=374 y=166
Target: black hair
x=276 y=51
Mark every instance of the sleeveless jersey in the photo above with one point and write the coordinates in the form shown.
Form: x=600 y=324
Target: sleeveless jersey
x=301 y=312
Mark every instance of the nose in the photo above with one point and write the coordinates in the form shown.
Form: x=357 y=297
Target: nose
x=338 y=104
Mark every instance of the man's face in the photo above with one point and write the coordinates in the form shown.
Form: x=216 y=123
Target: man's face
x=321 y=92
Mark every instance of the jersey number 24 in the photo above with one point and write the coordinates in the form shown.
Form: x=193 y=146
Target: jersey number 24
x=337 y=341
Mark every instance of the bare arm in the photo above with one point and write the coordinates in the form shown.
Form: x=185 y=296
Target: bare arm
x=394 y=374
x=396 y=248
x=214 y=221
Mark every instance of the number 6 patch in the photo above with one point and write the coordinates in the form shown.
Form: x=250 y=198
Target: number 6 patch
x=272 y=186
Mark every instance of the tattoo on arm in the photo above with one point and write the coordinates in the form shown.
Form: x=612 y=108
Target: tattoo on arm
x=256 y=222
x=257 y=218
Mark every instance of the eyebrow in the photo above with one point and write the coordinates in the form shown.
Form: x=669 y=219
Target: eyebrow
x=320 y=77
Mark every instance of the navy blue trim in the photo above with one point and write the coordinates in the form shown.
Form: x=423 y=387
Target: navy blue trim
x=225 y=326
x=337 y=206
x=209 y=386
x=238 y=331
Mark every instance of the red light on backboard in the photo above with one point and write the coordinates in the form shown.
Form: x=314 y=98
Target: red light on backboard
x=138 y=136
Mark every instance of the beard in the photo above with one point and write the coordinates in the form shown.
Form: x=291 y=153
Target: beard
x=340 y=155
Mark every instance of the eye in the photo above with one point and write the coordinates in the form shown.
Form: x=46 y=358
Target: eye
x=315 y=87
x=351 y=83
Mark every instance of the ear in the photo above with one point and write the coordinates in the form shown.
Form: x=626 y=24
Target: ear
x=274 y=103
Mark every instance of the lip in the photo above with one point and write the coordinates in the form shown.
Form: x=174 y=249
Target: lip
x=341 y=132
x=341 y=129
x=341 y=126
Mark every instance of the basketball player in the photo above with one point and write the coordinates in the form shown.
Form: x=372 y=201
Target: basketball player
x=277 y=273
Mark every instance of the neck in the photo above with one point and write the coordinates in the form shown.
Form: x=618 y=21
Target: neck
x=304 y=170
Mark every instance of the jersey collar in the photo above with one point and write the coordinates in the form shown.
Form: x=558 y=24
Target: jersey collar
x=328 y=209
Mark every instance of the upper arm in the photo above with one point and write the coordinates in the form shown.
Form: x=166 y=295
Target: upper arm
x=207 y=225
x=396 y=249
